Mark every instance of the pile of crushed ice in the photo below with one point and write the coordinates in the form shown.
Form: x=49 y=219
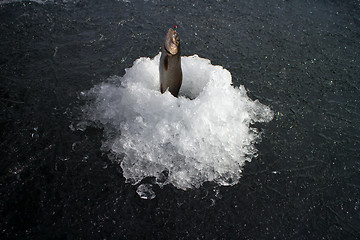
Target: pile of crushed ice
x=204 y=135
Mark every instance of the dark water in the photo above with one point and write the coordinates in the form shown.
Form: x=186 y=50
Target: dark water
x=301 y=58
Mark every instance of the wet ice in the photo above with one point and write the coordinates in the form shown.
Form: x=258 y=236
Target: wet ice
x=145 y=191
x=204 y=135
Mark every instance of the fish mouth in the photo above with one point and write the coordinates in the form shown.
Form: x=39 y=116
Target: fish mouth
x=172 y=42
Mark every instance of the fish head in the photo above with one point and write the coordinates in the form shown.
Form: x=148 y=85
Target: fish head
x=172 y=41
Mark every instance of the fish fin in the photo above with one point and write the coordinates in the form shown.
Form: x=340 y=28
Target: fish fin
x=161 y=88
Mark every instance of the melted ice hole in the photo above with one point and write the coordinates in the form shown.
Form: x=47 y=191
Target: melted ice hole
x=178 y=141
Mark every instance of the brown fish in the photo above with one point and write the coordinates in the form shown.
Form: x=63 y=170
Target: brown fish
x=170 y=64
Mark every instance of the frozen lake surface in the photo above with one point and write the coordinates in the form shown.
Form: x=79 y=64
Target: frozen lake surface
x=274 y=155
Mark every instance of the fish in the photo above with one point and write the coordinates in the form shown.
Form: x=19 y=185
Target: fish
x=170 y=63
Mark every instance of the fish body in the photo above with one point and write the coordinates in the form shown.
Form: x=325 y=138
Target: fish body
x=170 y=64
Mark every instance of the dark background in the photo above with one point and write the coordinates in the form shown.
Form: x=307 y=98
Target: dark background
x=301 y=58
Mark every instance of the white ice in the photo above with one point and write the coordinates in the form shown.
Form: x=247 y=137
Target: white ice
x=204 y=135
x=145 y=191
